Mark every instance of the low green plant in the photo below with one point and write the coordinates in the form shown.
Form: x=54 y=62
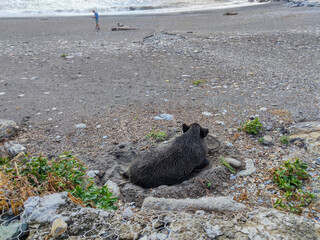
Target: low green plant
x=261 y=140
x=158 y=136
x=251 y=126
x=289 y=177
x=208 y=185
x=197 y=82
x=225 y=163
x=40 y=176
x=64 y=55
x=284 y=140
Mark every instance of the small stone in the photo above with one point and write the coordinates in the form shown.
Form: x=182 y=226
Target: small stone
x=91 y=174
x=58 y=137
x=229 y=144
x=21 y=95
x=213 y=232
x=220 y=123
x=2 y=93
x=161 y=236
x=267 y=140
x=164 y=116
x=269 y=128
x=263 y=109
x=98 y=126
x=318 y=161
x=114 y=188
x=199 y=212
x=250 y=168
x=81 y=125
x=50 y=119
x=58 y=227
x=33 y=78
x=46 y=93
x=207 y=114
x=233 y=162
x=127 y=213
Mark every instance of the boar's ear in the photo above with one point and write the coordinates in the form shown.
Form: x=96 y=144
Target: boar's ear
x=185 y=127
x=204 y=132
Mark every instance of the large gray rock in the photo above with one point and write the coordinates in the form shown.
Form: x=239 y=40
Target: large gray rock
x=8 y=128
x=14 y=230
x=44 y=209
x=209 y=204
x=309 y=134
x=13 y=149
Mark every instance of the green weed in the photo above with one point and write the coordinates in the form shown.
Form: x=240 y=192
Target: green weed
x=41 y=176
x=251 y=126
x=289 y=178
x=284 y=140
x=261 y=140
x=158 y=136
x=197 y=82
x=225 y=163
x=64 y=55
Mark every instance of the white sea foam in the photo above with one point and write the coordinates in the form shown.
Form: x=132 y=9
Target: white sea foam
x=22 y=8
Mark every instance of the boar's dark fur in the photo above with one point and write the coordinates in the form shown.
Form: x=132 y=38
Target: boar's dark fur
x=174 y=163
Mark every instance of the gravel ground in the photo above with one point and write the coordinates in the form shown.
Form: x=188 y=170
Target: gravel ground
x=58 y=72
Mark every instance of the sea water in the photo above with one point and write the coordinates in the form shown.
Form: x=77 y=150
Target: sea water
x=23 y=8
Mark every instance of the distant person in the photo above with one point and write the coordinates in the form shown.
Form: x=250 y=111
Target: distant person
x=96 y=17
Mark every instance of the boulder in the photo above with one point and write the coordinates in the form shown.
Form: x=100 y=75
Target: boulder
x=44 y=209
x=8 y=128
x=15 y=230
x=13 y=148
x=209 y=204
x=309 y=134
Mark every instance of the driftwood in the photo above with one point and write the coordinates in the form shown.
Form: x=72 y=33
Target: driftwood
x=231 y=13
x=121 y=27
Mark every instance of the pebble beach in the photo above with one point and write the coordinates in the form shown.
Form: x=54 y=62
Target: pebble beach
x=98 y=94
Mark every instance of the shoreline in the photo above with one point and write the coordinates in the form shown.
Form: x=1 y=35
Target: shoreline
x=139 y=12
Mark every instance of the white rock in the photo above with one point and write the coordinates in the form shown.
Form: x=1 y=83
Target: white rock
x=220 y=123
x=91 y=174
x=263 y=109
x=207 y=114
x=213 y=231
x=250 y=168
x=81 y=125
x=114 y=188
